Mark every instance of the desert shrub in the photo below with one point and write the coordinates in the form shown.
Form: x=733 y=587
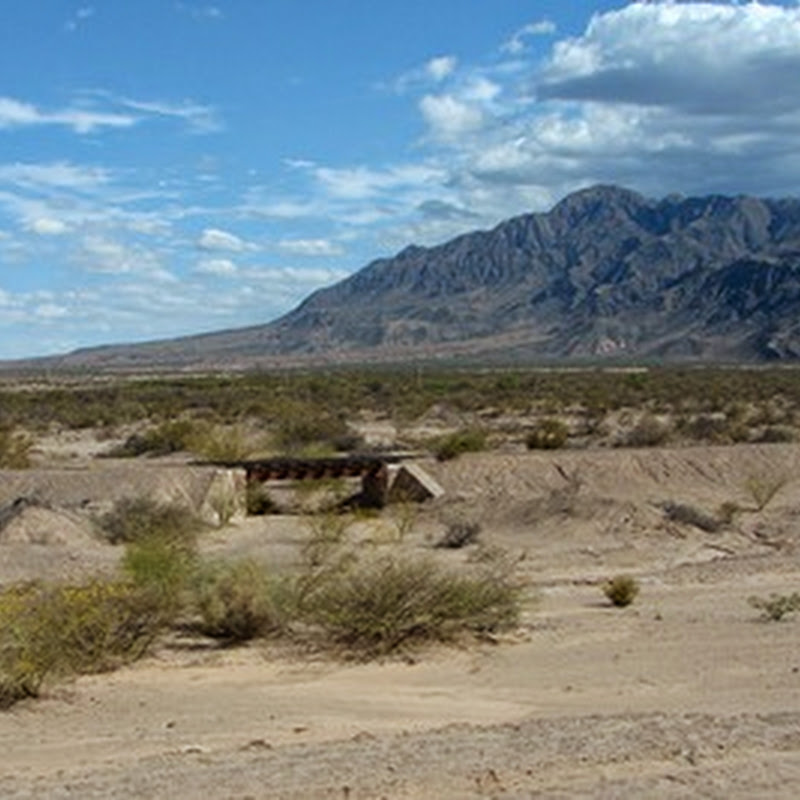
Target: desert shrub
x=691 y=515
x=301 y=427
x=404 y=517
x=327 y=529
x=716 y=428
x=62 y=630
x=173 y=436
x=377 y=606
x=241 y=600
x=777 y=434
x=138 y=518
x=649 y=431
x=459 y=534
x=258 y=499
x=15 y=449
x=776 y=606
x=221 y=442
x=466 y=440
x=621 y=590
x=549 y=434
x=162 y=567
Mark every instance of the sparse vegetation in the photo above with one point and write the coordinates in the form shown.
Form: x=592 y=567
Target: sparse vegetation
x=56 y=631
x=649 y=431
x=621 y=590
x=459 y=534
x=775 y=607
x=15 y=449
x=467 y=440
x=691 y=515
x=377 y=606
x=241 y=600
x=549 y=434
x=138 y=518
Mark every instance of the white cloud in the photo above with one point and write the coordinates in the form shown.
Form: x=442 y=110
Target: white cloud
x=49 y=311
x=220 y=267
x=701 y=58
x=16 y=114
x=53 y=175
x=200 y=118
x=78 y=18
x=516 y=44
x=441 y=67
x=361 y=183
x=218 y=240
x=310 y=247
x=47 y=226
x=103 y=255
x=448 y=117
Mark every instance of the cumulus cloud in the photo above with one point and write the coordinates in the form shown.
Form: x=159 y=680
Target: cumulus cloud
x=699 y=58
x=449 y=117
x=219 y=240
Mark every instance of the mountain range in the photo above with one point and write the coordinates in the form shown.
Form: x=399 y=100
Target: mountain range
x=606 y=274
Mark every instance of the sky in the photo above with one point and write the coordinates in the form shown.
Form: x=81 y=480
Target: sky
x=171 y=167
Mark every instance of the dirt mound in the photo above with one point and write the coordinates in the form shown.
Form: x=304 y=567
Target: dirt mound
x=27 y=521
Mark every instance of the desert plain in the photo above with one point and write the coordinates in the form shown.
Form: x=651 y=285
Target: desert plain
x=687 y=692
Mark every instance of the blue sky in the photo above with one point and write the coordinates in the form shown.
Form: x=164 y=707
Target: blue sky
x=170 y=167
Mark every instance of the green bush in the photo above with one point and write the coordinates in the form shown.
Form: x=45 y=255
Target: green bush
x=378 y=606
x=15 y=449
x=621 y=590
x=691 y=515
x=138 y=518
x=258 y=499
x=649 y=431
x=466 y=440
x=241 y=600
x=549 y=434
x=63 y=630
x=169 y=437
x=776 y=606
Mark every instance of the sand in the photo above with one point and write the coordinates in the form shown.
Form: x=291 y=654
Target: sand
x=686 y=693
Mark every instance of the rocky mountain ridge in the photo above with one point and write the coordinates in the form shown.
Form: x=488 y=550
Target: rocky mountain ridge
x=607 y=273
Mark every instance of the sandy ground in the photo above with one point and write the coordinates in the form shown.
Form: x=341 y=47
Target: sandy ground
x=684 y=694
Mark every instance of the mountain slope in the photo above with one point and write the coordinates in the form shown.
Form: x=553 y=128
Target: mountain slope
x=606 y=272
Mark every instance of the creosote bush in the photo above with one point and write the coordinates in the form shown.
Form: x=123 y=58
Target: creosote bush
x=63 y=630
x=136 y=518
x=15 y=449
x=241 y=600
x=621 y=590
x=459 y=534
x=379 y=605
x=649 y=431
x=549 y=434
x=467 y=440
x=691 y=515
x=775 y=607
